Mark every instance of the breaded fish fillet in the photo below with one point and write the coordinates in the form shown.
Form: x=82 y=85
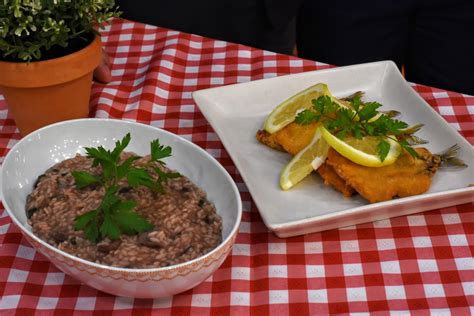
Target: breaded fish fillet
x=292 y=138
x=295 y=137
x=268 y=140
x=407 y=176
x=332 y=179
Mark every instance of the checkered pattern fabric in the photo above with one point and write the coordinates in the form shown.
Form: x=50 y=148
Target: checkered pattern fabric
x=421 y=263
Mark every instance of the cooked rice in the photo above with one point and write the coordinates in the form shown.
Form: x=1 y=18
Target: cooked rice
x=186 y=224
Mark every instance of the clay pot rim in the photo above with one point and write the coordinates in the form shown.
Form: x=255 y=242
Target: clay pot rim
x=40 y=73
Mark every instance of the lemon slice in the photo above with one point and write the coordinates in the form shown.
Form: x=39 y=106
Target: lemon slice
x=362 y=151
x=286 y=111
x=305 y=161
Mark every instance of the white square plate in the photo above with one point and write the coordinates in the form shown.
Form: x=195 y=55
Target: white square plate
x=237 y=111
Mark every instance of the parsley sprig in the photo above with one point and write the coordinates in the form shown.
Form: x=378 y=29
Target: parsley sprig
x=357 y=122
x=115 y=216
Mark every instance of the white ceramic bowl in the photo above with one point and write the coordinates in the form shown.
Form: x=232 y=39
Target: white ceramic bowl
x=38 y=151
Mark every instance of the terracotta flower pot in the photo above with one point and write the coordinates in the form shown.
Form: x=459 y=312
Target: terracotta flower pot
x=44 y=92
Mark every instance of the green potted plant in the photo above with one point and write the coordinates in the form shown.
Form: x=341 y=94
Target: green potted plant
x=48 y=52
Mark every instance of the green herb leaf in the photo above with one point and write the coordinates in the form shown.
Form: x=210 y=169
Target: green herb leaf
x=109 y=200
x=356 y=102
x=158 y=186
x=132 y=222
x=85 y=219
x=91 y=231
x=342 y=122
x=173 y=175
x=369 y=111
x=324 y=105
x=307 y=117
x=405 y=145
x=125 y=167
x=159 y=151
x=138 y=176
x=125 y=206
x=120 y=146
x=99 y=155
x=341 y=134
x=370 y=129
x=84 y=179
x=357 y=131
x=109 y=229
x=396 y=126
x=164 y=176
x=383 y=149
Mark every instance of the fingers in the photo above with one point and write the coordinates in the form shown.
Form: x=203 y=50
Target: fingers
x=102 y=73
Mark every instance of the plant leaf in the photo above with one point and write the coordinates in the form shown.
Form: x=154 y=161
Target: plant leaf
x=124 y=168
x=138 y=176
x=158 y=151
x=99 y=155
x=120 y=146
x=356 y=102
x=83 y=220
x=132 y=222
x=84 y=179
x=91 y=232
x=405 y=145
x=369 y=111
x=109 y=229
x=125 y=206
x=306 y=117
x=324 y=105
x=109 y=200
x=383 y=148
x=164 y=176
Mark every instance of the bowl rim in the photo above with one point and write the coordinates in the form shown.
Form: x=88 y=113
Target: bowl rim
x=96 y=265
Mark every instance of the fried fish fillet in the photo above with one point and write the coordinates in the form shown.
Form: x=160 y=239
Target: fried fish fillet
x=268 y=140
x=407 y=176
x=332 y=179
x=292 y=138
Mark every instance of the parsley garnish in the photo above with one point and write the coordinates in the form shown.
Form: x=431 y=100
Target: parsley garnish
x=358 y=122
x=115 y=216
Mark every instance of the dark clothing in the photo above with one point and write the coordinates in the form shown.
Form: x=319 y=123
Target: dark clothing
x=433 y=39
x=265 y=24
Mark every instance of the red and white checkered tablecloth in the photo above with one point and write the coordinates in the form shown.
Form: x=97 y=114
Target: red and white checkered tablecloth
x=421 y=263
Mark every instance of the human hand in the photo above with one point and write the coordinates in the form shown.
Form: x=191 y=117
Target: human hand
x=102 y=73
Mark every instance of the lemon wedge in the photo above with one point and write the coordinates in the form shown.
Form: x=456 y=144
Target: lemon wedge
x=286 y=112
x=305 y=161
x=362 y=151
